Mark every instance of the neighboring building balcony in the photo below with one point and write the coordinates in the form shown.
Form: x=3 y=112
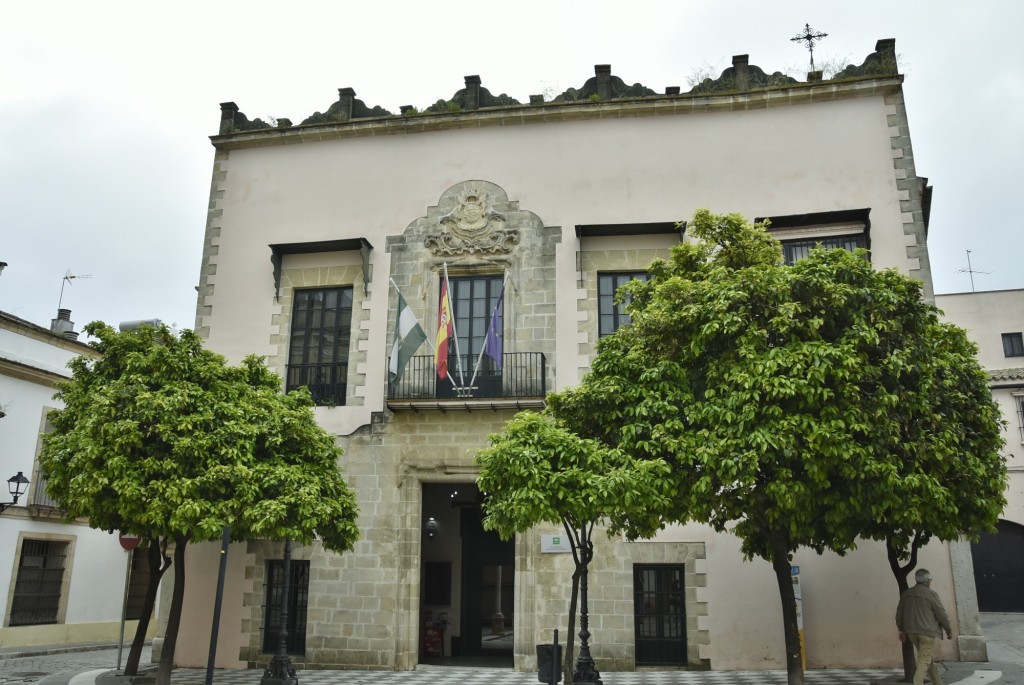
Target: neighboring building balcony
x=41 y=505
x=520 y=382
x=326 y=381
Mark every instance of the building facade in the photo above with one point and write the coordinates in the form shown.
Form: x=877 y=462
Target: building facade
x=530 y=215
x=62 y=582
x=995 y=322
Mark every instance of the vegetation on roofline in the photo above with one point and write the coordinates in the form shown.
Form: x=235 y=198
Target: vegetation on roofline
x=875 y=65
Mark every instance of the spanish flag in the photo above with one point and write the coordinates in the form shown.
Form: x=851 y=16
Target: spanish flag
x=444 y=332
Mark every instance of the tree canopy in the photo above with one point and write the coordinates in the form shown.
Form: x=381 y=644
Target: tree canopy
x=537 y=471
x=789 y=398
x=162 y=438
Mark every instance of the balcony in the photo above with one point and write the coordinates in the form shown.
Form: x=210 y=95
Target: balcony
x=520 y=383
x=327 y=382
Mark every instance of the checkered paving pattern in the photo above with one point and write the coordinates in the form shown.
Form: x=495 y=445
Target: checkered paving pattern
x=484 y=676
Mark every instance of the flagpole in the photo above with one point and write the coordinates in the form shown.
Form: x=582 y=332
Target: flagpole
x=455 y=332
x=427 y=338
x=483 y=348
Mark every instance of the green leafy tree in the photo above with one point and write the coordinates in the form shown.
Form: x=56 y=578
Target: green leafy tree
x=788 y=399
x=537 y=471
x=162 y=438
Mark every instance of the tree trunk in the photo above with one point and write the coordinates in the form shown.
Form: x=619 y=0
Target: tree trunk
x=901 y=573
x=158 y=563
x=784 y=577
x=569 y=662
x=163 y=676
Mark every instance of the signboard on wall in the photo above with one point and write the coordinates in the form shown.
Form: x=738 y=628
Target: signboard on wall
x=555 y=544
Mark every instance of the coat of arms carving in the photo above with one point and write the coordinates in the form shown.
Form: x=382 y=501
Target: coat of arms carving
x=473 y=227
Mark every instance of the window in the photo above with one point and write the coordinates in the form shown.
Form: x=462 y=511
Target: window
x=298 y=599
x=320 y=338
x=1019 y=401
x=795 y=250
x=610 y=315
x=474 y=299
x=659 y=612
x=138 y=582
x=37 y=589
x=1013 y=344
x=40 y=497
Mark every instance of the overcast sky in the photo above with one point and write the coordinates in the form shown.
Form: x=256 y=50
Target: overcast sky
x=106 y=109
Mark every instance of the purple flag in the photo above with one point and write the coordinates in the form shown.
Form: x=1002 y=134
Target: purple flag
x=493 y=340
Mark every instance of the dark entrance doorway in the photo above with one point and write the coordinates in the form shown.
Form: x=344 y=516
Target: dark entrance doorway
x=659 y=614
x=467 y=597
x=999 y=568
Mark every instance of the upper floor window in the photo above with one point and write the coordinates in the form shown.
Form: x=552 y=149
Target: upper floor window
x=1013 y=344
x=320 y=339
x=610 y=315
x=474 y=302
x=795 y=250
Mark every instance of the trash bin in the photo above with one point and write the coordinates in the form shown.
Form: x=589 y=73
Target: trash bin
x=549 y=657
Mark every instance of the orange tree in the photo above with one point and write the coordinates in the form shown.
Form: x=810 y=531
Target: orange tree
x=162 y=438
x=799 y=406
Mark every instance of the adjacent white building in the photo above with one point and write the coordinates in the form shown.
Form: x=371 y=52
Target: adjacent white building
x=59 y=582
x=994 y=320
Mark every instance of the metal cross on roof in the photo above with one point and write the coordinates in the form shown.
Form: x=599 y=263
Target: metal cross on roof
x=809 y=36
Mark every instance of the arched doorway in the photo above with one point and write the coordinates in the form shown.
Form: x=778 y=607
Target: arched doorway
x=999 y=568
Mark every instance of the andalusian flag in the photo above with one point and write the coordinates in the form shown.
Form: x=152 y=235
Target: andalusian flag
x=445 y=330
x=409 y=335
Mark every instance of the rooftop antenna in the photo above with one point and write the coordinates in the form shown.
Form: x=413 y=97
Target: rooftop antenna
x=809 y=36
x=971 y=271
x=67 y=279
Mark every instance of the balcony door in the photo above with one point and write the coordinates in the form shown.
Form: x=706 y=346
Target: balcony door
x=474 y=299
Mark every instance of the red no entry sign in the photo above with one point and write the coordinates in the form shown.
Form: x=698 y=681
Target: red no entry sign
x=128 y=541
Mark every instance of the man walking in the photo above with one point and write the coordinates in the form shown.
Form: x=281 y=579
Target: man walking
x=921 y=617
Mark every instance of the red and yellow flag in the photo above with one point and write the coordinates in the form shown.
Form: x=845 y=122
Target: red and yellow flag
x=444 y=332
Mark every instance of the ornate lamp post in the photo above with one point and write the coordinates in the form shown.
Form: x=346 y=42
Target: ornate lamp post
x=586 y=669
x=280 y=670
x=18 y=486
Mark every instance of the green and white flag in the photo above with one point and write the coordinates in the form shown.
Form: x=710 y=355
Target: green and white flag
x=409 y=336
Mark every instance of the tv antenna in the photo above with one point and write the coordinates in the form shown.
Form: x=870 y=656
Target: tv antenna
x=67 y=279
x=971 y=271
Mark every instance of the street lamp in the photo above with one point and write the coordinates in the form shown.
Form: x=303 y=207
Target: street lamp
x=17 y=485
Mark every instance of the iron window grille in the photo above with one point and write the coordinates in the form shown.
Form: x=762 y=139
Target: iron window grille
x=612 y=316
x=795 y=250
x=320 y=339
x=1019 y=401
x=40 y=580
x=298 y=600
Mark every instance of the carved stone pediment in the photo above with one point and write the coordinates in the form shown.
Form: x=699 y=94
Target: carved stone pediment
x=472 y=227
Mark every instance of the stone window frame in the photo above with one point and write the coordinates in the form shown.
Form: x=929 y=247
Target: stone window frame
x=69 y=560
x=343 y=272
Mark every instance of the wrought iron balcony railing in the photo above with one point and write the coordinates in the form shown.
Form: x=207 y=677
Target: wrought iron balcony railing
x=326 y=382
x=522 y=375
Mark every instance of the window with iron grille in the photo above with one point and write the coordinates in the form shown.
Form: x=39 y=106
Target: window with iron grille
x=298 y=599
x=795 y=250
x=40 y=497
x=1013 y=344
x=138 y=582
x=659 y=614
x=610 y=315
x=40 y=580
x=320 y=338
x=1019 y=399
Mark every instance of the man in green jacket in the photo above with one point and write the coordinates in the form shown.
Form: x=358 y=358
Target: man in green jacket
x=921 y=617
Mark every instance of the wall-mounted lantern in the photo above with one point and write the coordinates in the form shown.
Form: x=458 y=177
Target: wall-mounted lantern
x=18 y=486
